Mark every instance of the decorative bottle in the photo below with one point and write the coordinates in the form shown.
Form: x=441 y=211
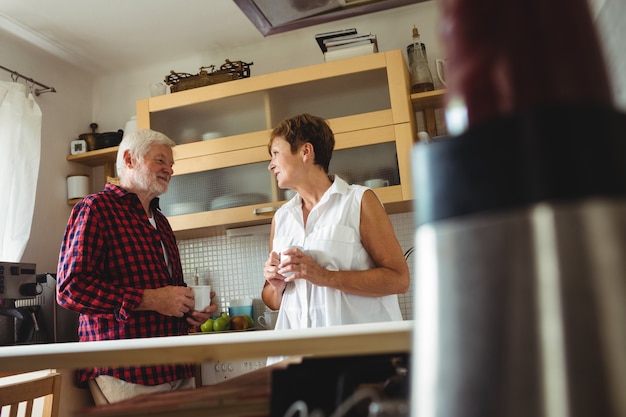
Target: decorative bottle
x=421 y=77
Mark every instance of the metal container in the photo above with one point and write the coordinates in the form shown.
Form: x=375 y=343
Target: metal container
x=520 y=280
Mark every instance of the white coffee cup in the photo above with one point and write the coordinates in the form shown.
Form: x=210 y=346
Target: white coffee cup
x=268 y=319
x=201 y=296
x=377 y=183
x=286 y=258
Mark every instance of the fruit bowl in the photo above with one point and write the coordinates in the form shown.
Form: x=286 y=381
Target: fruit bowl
x=225 y=323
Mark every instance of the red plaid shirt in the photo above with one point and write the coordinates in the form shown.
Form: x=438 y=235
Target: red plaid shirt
x=110 y=253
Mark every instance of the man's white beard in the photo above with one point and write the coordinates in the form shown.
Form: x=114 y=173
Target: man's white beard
x=147 y=180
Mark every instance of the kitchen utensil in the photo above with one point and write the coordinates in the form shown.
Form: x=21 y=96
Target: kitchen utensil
x=202 y=296
x=101 y=140
x=90 y=138
x=108 y=139
x=268 y=319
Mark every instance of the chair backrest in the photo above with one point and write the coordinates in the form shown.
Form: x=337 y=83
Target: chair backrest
x=27 y=391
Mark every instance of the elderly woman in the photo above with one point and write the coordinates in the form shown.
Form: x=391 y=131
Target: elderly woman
x=334 y=258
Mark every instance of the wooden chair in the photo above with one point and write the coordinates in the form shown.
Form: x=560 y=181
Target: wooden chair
x=47 y=386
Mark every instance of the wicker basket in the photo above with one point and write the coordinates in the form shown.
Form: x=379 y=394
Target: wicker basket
x=230 y=70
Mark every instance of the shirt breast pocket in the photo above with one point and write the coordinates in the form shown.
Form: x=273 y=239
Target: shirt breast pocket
x=333 y=246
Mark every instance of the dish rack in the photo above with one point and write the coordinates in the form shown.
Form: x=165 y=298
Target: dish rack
x=229 y=70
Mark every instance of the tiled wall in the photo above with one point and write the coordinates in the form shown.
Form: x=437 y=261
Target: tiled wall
x=234 y=265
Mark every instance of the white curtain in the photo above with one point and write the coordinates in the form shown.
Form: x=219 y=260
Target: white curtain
x=20 y=148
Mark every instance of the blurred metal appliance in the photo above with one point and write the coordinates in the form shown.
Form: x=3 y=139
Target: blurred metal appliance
x=18 y=281
x=59 y=324
x=520 y=277
x=29 y=312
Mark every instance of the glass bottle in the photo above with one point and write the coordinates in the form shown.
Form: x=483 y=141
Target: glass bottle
x=421 y=77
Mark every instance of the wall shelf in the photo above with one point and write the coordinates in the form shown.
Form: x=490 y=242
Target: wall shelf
x=428 y=100
x=95 y=158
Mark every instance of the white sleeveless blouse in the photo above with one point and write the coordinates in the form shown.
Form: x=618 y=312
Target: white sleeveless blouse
x=332 y=238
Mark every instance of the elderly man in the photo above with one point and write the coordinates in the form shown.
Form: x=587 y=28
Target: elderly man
x=119 y=267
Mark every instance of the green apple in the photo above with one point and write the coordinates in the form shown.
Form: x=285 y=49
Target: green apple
x=221 y=323
x=207 y=326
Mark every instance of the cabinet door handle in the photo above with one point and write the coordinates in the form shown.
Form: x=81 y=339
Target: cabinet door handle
x=264 y=210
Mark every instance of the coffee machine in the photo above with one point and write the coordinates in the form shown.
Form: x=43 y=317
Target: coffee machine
x=19 y=324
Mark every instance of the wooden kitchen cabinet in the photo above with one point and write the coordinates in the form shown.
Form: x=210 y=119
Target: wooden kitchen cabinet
x=223 y=182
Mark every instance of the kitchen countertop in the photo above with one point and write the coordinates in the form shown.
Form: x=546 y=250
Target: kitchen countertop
x=370 y=338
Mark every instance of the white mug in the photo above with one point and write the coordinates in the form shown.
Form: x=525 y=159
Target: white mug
x=284 y=258
x=377 y=183
x=268 y=319
x=201 y=296
x=440 y=64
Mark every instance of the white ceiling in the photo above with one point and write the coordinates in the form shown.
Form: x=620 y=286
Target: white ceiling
x=104 y=35
x=117 y=35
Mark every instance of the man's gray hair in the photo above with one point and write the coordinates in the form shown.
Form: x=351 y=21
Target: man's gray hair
x=138 y=143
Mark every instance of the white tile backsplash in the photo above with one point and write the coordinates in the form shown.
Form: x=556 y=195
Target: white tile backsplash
x=234 y=265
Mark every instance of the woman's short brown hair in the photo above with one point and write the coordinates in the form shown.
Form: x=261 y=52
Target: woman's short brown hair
x=304 y=128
